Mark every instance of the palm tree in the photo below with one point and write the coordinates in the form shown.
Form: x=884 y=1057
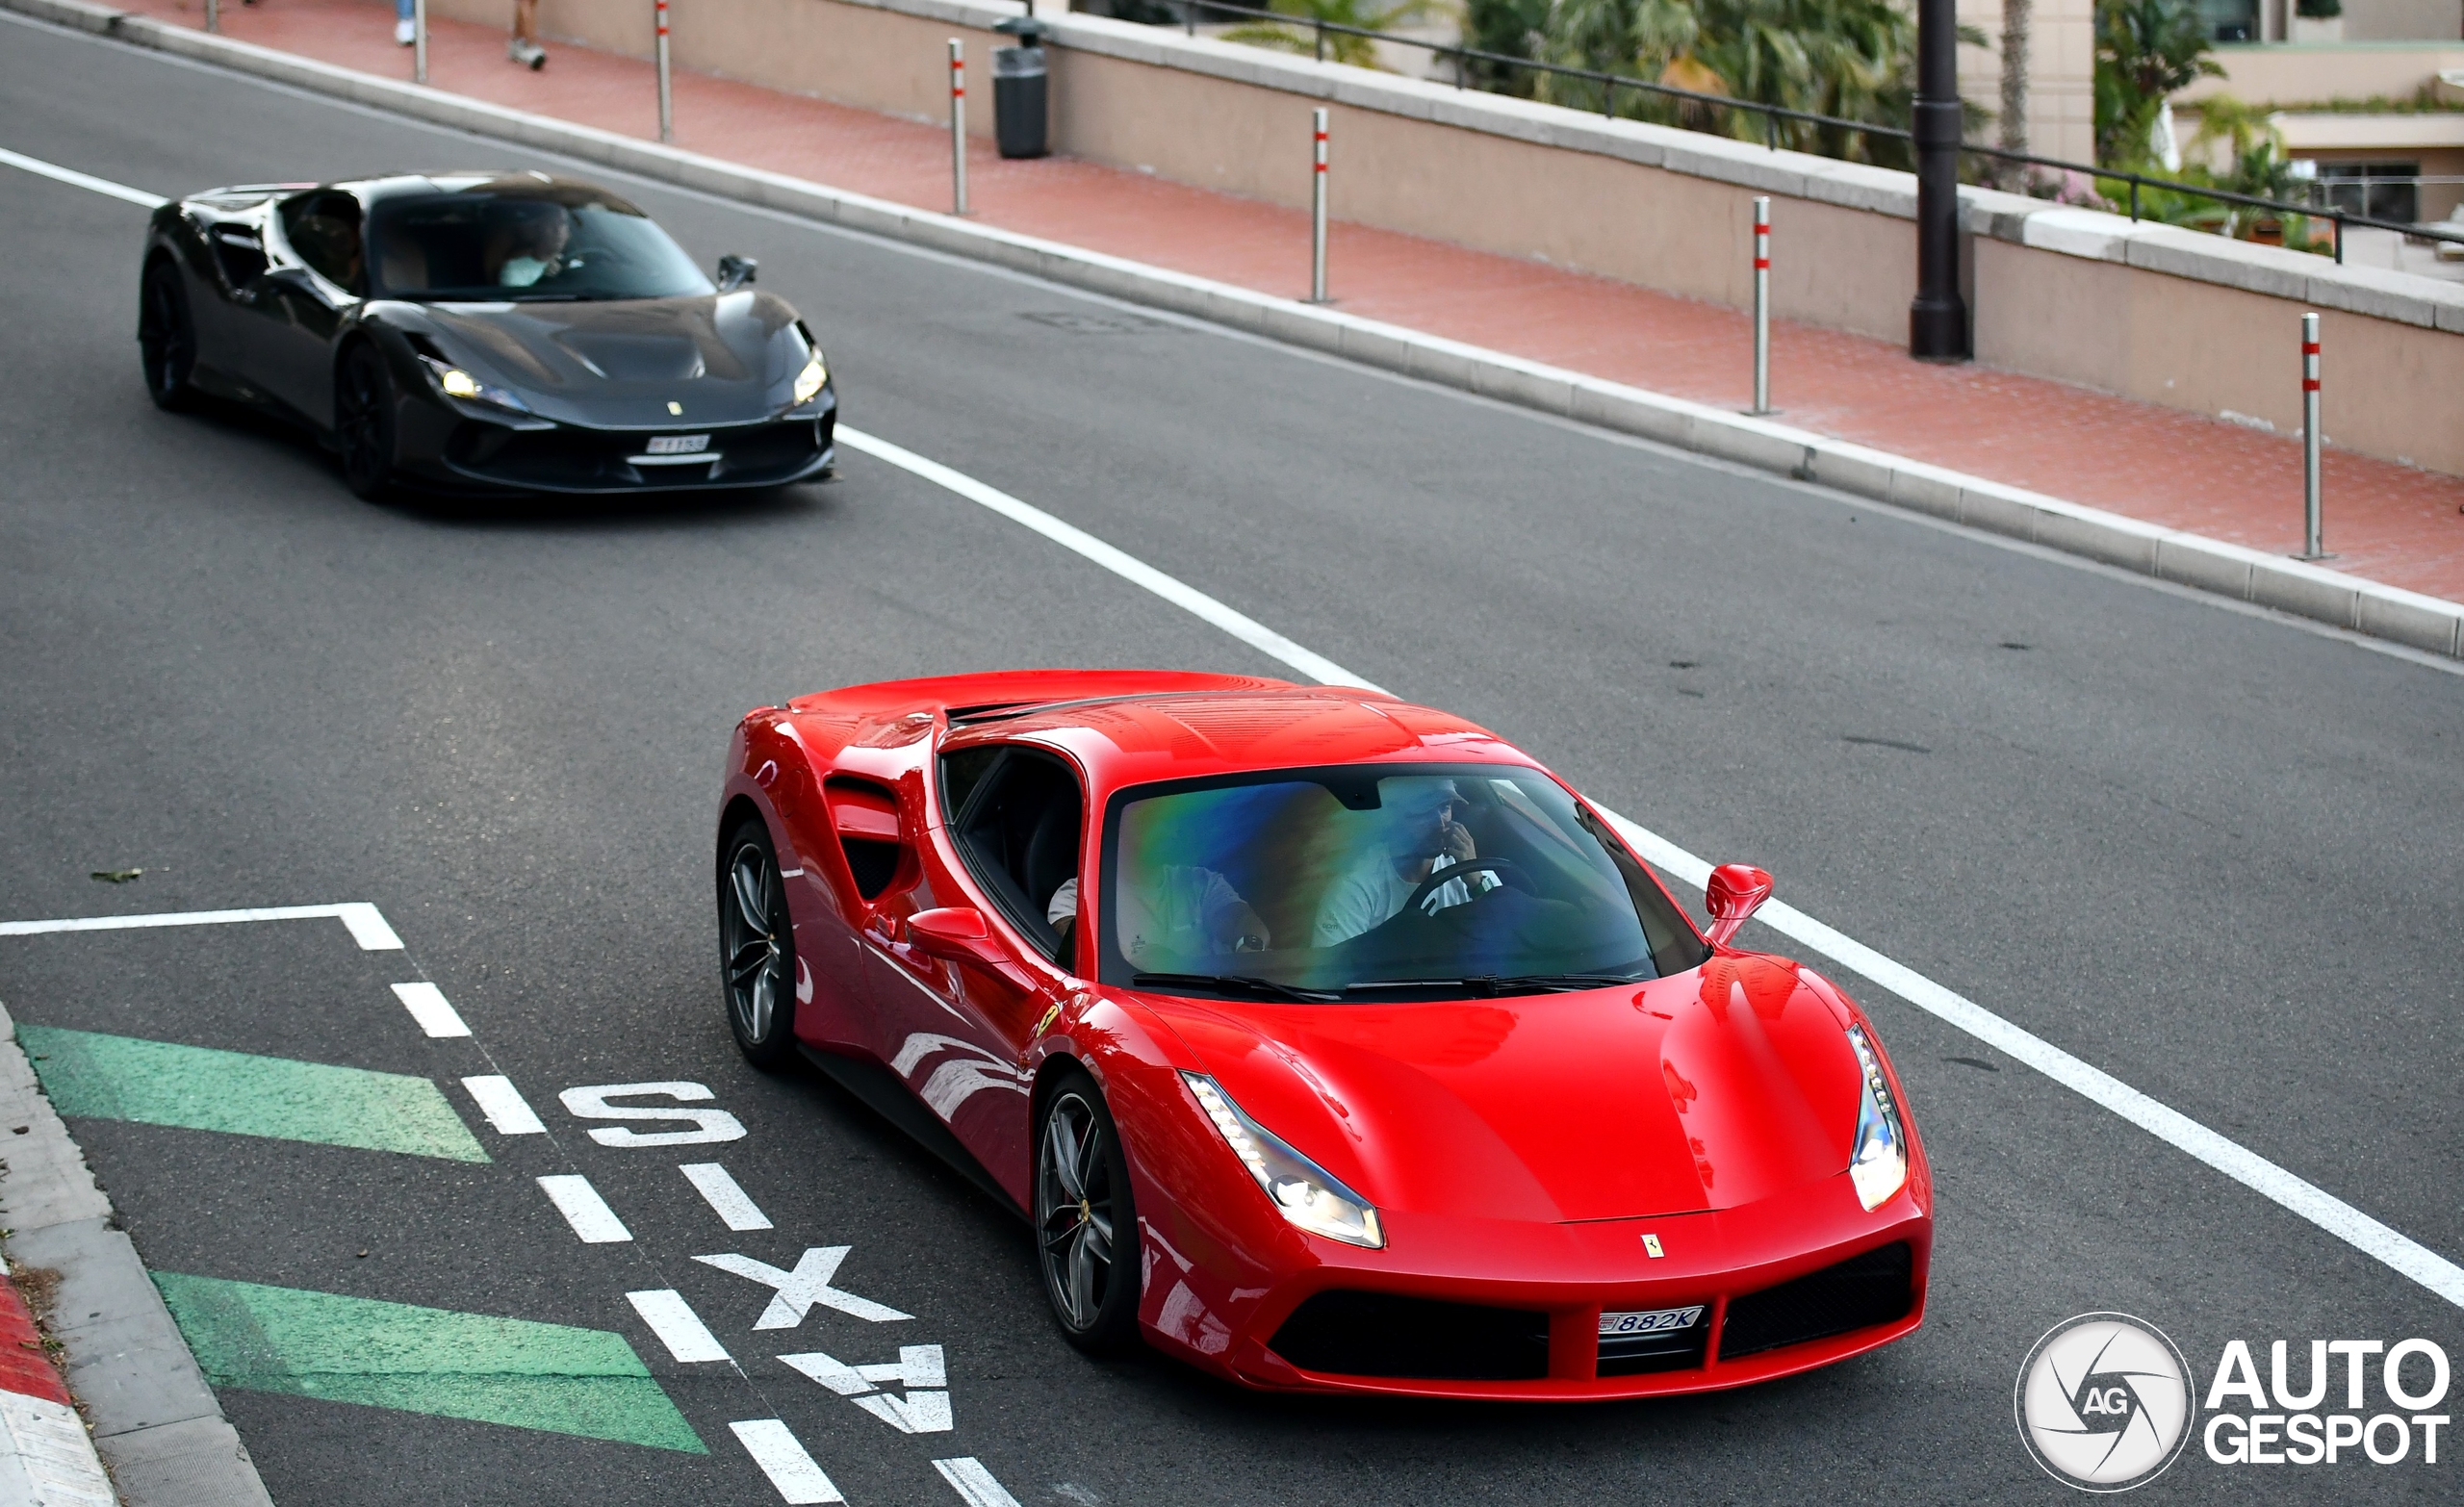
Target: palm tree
x=2018 y=20
x=1845 y=58
x=2146 y=49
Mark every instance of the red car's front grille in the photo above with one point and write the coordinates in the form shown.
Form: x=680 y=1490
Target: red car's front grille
x=1875 y=1288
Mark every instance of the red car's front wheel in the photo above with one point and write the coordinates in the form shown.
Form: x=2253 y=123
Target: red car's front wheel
x=1086 y=1225
x=756 y=949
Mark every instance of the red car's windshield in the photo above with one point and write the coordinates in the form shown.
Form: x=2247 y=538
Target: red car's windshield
x=1398 y=882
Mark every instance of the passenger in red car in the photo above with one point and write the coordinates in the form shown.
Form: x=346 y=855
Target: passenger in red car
x=1182 y=909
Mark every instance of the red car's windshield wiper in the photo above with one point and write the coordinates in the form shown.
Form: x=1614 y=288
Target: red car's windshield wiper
x=1231 y=984
x=1483 y=985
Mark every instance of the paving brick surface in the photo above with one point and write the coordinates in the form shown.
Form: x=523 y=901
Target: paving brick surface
x=2386 y=522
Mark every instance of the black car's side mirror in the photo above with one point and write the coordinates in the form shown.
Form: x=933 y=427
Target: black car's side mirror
x=735 y=271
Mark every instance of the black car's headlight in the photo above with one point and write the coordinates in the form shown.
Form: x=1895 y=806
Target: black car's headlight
x=1303 y=1192
x=1878 y=1161
x=810 y=380
x=454 y=382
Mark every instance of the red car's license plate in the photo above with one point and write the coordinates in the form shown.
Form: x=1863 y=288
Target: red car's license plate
x=1650 y=1321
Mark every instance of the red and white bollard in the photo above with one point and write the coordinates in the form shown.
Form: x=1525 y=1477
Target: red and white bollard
x=1318 y=210
x=1761 y=303
x=2314 y=547
x=957 y=126
x=666 y=111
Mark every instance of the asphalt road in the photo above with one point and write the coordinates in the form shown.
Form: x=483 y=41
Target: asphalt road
x=2214 y=853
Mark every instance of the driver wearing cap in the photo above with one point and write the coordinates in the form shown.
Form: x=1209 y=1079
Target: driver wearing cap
x=1425 y=836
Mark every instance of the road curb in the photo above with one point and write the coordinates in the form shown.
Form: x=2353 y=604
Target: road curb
x=155 y=1422
x=2342 y=600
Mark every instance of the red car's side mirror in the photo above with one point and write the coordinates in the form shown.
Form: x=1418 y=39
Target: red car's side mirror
x=960 y=934
x=1736 y=891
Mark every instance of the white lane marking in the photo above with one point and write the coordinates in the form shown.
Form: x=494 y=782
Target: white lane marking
x=584 y=1209
x=2398 y=1251
x=783 y=1461
x=590 y=1103
x=1241 y=625
x=973 y=1483
x=366 y=924
x=505 y=1105
x=726 y=1199
x=676 y=1325
x=429 y=1007
x=793 y=1293
x=73 y=177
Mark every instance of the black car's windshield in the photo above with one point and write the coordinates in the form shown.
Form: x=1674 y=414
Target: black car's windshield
x=520 y=239
x=1395 y=882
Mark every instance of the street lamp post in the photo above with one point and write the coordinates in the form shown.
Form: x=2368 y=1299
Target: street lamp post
x=1938 y=320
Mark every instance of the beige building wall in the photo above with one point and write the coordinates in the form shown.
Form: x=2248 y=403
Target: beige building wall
x=2061 y=71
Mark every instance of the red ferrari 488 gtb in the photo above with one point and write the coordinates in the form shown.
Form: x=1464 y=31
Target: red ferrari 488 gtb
x=1328 y=1041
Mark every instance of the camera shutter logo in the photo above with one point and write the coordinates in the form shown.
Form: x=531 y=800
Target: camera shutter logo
x=2104 y=1402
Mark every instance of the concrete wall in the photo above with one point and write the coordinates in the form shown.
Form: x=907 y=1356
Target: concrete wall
x=2167 y=316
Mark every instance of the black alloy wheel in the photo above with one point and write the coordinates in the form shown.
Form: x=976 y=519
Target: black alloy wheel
x=165 y=337
x=756 y=949
x=1086 y=1225
x=364 y=421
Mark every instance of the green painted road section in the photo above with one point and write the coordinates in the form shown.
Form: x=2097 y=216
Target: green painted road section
x=551 y=1377
x=162 y=1082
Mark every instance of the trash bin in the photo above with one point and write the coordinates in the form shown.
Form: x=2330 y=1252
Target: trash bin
x=1018 y=107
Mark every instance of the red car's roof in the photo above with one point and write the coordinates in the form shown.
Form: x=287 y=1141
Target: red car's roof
x=1129 y=726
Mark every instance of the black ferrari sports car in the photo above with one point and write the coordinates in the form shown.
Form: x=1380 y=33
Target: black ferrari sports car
x=484 y=332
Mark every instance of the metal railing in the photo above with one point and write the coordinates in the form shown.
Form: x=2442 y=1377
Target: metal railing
x=1610 y=83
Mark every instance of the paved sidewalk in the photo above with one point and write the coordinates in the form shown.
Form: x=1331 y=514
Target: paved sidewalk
x=2387 y=522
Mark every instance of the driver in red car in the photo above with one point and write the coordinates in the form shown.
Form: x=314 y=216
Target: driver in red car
x=1426 y=838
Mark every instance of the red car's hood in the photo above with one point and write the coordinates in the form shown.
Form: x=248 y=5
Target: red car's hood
x=1705 y=1091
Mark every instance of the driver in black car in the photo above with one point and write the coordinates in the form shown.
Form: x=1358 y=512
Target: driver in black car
x=1425 y=836
x=534 y=246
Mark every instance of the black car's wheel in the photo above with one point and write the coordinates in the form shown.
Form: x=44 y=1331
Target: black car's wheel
x=364 y=421
x=165 y=337
x=756 y=949
x=1086 y=1225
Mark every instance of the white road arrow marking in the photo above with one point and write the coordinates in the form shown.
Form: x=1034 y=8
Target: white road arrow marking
x=795 y=1292
x=918 y=1366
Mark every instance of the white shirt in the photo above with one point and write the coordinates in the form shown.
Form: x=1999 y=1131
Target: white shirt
x=1371 y=891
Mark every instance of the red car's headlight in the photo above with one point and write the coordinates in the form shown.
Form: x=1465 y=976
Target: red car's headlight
x=1877 y=1163
x=1303 y=1192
